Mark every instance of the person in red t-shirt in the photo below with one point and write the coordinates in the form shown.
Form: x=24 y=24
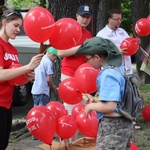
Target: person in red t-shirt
x=10 y=23
x=70 y=62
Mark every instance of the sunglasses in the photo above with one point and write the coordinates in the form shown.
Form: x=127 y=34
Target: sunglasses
x=14 y=13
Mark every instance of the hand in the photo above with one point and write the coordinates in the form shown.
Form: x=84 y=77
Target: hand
x=54 y=89
x=87 y=109
x=123 y=51
x=35 y=61
x=30 y=75
x=88 y=98
x=138 y=39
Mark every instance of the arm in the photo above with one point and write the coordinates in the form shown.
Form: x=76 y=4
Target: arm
x=103 y=107
x=8 y=74
x=50 y=83
x=68 y=52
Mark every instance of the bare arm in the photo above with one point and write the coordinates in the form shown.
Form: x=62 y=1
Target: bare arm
x=103 y=107
x=50 y=83
x=8 y=74
x=68 y=52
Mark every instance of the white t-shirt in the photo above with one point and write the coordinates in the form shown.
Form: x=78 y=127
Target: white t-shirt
x=117 y=37
x=40 y=85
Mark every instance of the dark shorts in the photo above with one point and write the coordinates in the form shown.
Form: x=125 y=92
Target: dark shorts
x=114 y=134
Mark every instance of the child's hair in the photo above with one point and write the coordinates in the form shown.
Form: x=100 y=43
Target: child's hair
x=8 y=14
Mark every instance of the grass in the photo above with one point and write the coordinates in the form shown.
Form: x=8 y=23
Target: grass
x=142 y=137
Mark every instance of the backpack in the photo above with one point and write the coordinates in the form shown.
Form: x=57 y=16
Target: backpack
x=132 y=101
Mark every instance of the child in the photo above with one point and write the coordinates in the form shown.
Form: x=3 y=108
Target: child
x=114 y=131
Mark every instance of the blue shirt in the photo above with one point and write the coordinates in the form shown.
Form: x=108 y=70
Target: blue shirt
x=40 y=85
x=110 y=85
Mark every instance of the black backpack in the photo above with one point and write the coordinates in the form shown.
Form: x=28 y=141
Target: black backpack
x=132 y=102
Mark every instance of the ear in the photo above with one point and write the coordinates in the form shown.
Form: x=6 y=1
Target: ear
x=109 y=19
x=4 y=22
x=77 y=15
x=97 y=56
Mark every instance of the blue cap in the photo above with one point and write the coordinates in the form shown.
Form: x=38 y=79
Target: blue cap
x=84 y=9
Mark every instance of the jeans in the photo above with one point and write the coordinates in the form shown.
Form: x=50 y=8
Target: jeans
x=40 y=99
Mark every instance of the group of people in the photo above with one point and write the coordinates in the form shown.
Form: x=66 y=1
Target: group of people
x=114 y=131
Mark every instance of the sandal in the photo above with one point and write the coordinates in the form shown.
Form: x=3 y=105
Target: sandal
x=136 y=126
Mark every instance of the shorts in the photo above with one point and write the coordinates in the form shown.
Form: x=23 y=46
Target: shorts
x=40 y=99
x=114 y=133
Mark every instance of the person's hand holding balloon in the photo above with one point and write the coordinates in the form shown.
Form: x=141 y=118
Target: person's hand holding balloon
x=35 y=61
x=129 y=46
x=88 y=98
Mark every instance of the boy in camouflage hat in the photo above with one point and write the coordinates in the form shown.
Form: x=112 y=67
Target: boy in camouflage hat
x=114 y=131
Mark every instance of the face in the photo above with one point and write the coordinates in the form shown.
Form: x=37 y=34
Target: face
x=115 y=21
x=12 y=28
x=53 y=57
x=83 y=20
x=94 y=60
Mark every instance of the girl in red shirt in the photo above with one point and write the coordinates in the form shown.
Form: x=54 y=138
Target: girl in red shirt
x=10 y=23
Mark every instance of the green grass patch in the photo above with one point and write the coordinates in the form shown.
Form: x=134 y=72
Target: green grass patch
x=142 y=137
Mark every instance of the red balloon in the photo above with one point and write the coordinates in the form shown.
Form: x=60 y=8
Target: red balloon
x=68 y=91
x=146 y=112
x=85 y=78
x=20 y=80
x=66 y=127
x=131 y=45
x=142 y=27
x=38 y=24
x=133 y=146
x=76 y=109
x=87 y=125
x=41 y=124
x=57 y=109
x=66 y=34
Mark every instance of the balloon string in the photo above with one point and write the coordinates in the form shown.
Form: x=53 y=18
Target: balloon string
x=61 y=143
x=84 y=140
x=50 y=145
x=146 y=55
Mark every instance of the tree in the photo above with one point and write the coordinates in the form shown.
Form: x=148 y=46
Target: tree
x=2 y=2
x=26 y=4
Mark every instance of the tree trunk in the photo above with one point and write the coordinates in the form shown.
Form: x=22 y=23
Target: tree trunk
x=102 y=7
x=2 y=2
x=137 y=14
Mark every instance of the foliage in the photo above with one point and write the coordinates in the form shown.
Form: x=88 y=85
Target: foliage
x=126 y=14
x=142 y=137
x=25 y=4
